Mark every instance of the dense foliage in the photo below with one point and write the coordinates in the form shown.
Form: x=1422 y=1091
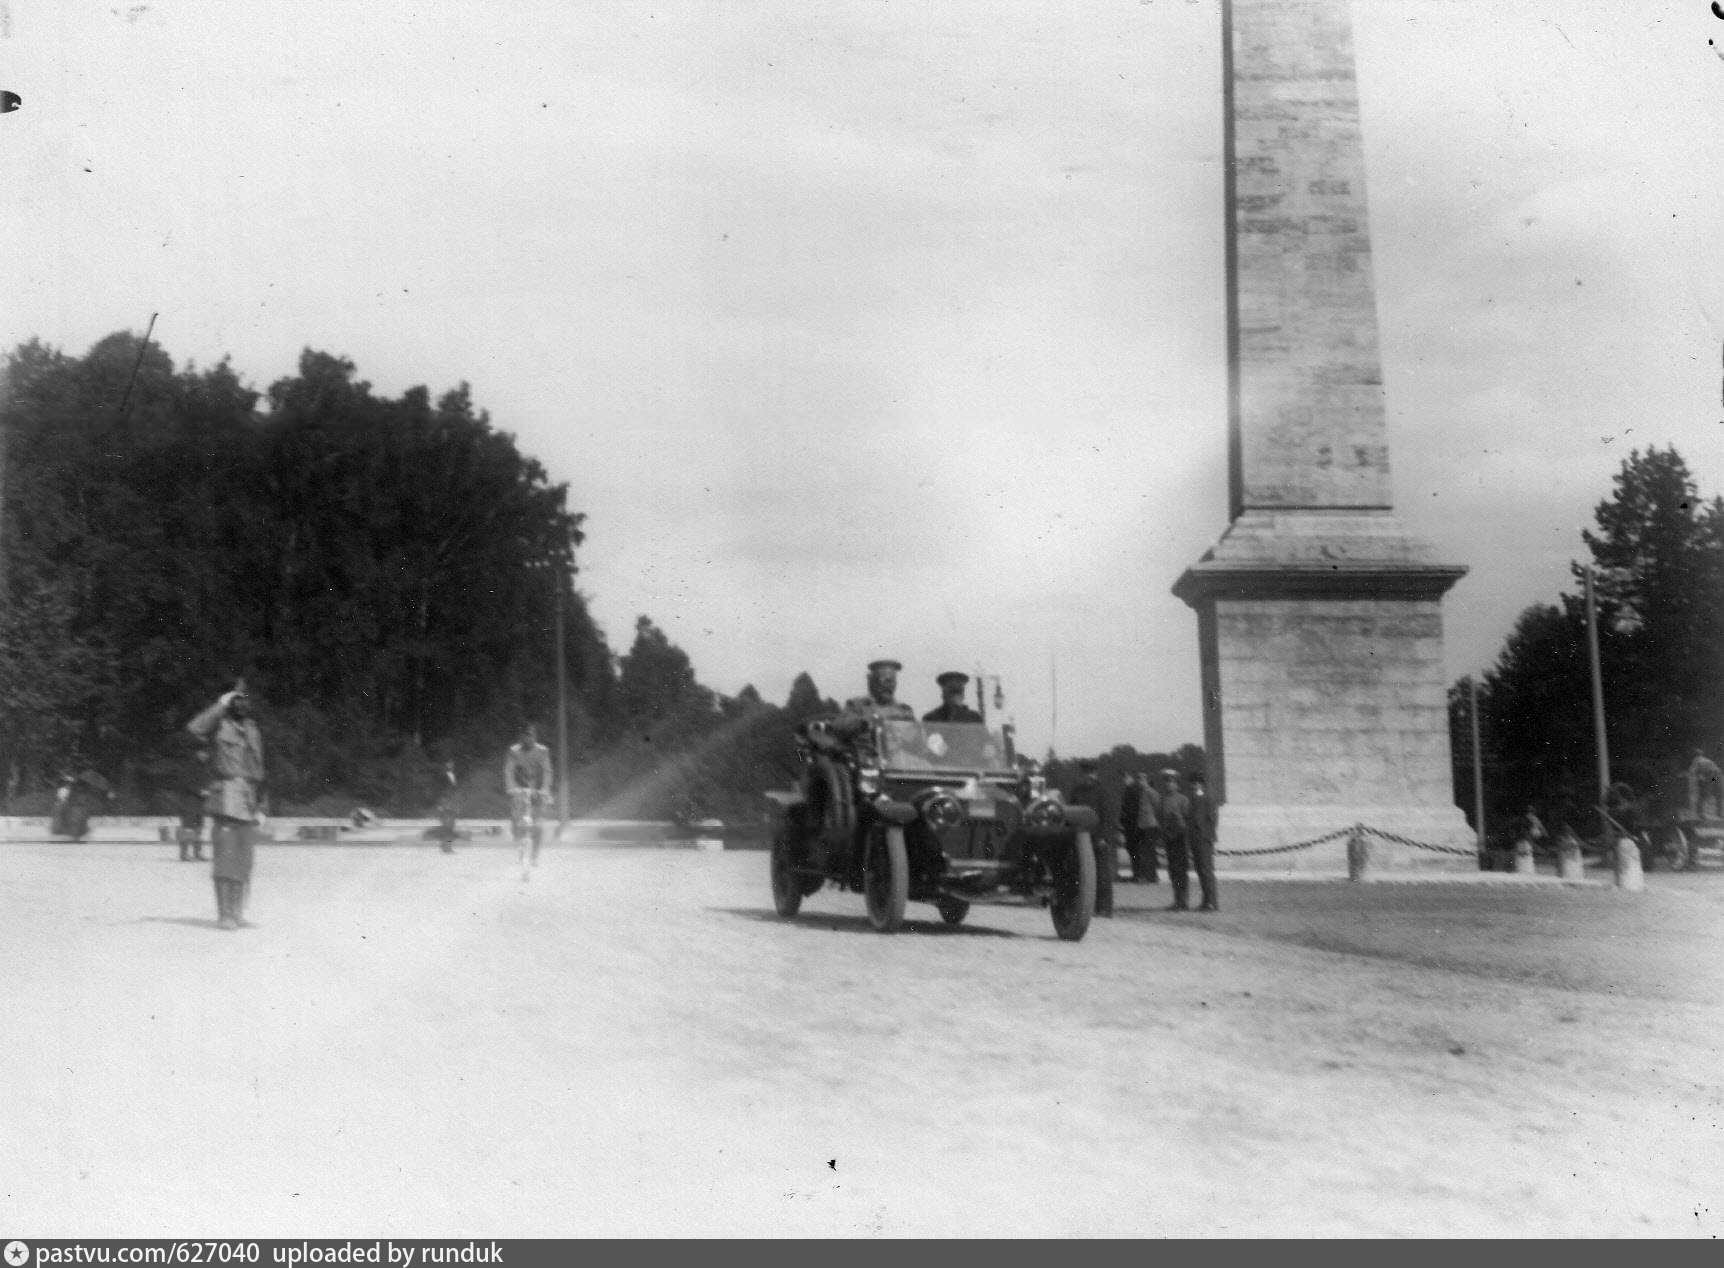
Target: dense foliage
x=383 y=572
x=1658 y=559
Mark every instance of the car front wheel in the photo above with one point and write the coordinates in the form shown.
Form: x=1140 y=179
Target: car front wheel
x=886 y=879
x=786 y=884
x=1074 y=888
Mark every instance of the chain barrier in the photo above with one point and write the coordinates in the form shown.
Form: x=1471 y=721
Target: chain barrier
x=1360 y=828
x=1418 y=845
x=1289 y=849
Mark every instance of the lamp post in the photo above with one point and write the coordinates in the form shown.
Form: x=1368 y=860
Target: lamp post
x=982 y=680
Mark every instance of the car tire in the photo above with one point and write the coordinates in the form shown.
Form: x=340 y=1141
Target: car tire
x=1074 y=888
x=886 y=879
x=831 y=795
x=787 y=888
x=952 y=910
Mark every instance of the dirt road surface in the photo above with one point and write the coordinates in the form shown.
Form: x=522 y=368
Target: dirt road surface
x=410 y=1044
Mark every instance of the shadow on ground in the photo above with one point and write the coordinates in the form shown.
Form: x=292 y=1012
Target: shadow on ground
x=836 y=923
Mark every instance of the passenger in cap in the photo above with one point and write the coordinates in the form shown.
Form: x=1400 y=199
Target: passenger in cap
x=952 y=707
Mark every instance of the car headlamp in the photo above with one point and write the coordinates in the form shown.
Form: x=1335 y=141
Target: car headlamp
x=1045 y=812
x=941 y=810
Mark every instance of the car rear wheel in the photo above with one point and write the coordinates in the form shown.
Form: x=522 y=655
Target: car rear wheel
x=952 y=910
x=886 y=879
x=786 y=884
x=1074 y=888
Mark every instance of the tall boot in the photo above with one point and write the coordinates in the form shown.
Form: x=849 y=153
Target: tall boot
x=185 y=846
x=227 y=900
x=1181 y=896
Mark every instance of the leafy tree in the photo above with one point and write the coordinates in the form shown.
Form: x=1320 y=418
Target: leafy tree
x=1658 y=559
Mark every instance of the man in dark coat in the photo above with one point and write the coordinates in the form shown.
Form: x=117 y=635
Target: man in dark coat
x=1200 y=838
x=1137 y=823
x=1090 y=791
x=952 y=707
x=1175 y=816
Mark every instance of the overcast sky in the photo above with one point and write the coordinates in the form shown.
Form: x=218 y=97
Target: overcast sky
x=865 y=327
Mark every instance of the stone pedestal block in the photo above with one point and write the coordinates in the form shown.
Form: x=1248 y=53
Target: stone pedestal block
x=1325 y=704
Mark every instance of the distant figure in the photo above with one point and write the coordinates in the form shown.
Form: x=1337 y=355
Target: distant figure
x=1200 y=841
x=1175 y=816
x=80 y=794
x=1623 y=806
x=236 y=799
x=1705 y=787
x=1137 y=823
x=1531 y=827
x=527 y=777
x=1090 y=791
x=952 y=707
x=448 y=794
x=192 y=786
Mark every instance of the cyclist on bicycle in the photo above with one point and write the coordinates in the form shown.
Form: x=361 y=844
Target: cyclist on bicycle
x=527 y=776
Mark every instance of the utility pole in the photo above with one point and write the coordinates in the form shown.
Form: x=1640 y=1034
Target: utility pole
x=562 y=699
x=1478 y=760
x=1602 y=746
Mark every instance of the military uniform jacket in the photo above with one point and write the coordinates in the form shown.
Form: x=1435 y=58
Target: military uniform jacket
x=236 y=763
x=952 y=713
x=1202 y=818
x=1175 y=814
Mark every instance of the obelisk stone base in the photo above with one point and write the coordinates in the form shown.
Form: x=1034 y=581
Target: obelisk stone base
x=1325 y=703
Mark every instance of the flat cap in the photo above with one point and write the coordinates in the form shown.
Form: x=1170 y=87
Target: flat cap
x=953 y=676
x=885 y=664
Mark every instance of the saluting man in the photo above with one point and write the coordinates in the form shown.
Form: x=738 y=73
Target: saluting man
x=236 y=797
x=952 y=707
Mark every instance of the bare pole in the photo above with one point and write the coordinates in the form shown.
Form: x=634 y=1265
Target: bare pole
x=126 y=400
x=1054 y=724
x=562 y=700
x=1478 y=760
x=1603 y=746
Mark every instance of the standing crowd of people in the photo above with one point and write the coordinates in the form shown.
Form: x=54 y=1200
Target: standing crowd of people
x=1176 y=819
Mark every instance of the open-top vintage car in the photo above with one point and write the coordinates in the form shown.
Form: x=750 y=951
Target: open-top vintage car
x=936 y=812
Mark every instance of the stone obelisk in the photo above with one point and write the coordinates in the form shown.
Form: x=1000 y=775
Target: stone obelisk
x=1319 y=617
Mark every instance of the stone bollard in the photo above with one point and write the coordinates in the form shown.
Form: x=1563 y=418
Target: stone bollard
x=1628 y=873
x=709 y=835
x=1523 y=862
x=1569 y=865
x=1358 y=857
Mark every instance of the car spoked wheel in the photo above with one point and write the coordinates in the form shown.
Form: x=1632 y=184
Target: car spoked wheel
x=952 y=910
x=1073 y=866
x=786 y=884
x=886 y=879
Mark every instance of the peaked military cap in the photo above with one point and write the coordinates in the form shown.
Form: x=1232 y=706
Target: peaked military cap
x=885 y=664
x=953 y=676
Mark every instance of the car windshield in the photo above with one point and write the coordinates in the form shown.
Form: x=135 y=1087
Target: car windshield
x=965 y=746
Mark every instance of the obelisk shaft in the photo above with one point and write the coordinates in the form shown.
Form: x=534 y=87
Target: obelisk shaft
x=1302 y=321
x=1319 y=616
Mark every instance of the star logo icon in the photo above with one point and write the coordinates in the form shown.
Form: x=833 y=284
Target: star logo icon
x=17 y=1254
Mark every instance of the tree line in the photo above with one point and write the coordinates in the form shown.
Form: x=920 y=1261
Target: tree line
x=1656 y=551
x=383 y=571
